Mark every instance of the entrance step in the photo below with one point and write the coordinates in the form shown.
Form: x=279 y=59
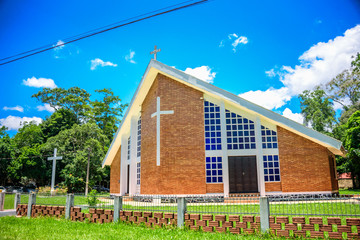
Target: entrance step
x=242 y=198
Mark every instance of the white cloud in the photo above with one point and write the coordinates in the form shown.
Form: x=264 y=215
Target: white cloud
x=235 y=40
x=271 y=73
x=45 y=107
x=98 y=62
x=297 y=117
x=16 y=108
x=318 y=65
x=204 y=73
x=239 y=40
x=271 y=98
x=39 y=82
x=59 y=45
x=130 y=57
x=14 y=123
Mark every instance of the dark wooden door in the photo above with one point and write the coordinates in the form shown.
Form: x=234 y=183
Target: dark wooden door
x=243 y=174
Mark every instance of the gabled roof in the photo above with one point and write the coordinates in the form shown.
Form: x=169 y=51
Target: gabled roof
x=156 y=67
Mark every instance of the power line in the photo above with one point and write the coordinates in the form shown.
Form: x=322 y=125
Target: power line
x=92 y=33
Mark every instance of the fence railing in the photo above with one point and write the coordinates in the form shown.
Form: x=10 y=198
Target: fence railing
x=158 y=203
x=217 y=204
x=264 y=207
x=315 y=205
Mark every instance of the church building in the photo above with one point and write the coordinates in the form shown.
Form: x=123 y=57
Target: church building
x=181 y=135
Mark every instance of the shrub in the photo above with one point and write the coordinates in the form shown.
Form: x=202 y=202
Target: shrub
x=47 y=190
x=92 y=198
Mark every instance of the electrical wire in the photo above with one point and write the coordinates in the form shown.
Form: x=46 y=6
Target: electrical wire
x=109 y=27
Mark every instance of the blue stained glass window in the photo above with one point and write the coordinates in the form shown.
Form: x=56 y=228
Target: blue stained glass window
x=271 y=168
x=138 y=169
x=138 y=147
x=269 y=138
x=237 y=129
x=212 y=126
x=214 y=170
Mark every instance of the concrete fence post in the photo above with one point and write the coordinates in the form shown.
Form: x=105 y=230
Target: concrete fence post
x=2 y=201
x=32 y=201
x=264 y=214
x=69 y=205
x=181 y=210
x=17 y=200
x=118 y=205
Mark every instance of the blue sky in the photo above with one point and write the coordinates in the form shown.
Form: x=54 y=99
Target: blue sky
x=266 y=51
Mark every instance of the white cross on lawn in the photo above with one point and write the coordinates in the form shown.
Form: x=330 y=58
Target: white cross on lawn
x=157 y=115
x=54 y=158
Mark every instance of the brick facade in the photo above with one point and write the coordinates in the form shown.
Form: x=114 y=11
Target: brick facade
x=214 y=188
x=304 y=165
x=182 y=154
x=115 y=173
x=273 y=186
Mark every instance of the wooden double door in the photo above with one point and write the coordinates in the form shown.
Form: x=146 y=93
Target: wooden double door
x=243 y=174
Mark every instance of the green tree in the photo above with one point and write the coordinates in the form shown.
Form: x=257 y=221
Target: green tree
x=58 y=121
x=352 y=144
x=74 y=99
x=5 y=155
x=27 y=160
x=74 y=145
x=345 y=90
x=28 y=135
x=108 y=111
x=317 y=110
x=30 y=164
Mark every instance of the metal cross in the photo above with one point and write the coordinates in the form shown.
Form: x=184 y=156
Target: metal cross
x=157 y=115
x=54 y=158
x=155 y=52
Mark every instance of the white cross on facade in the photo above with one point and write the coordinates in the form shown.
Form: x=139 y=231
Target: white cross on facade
x=155 y=52
x=157 y=115
x=54 y=158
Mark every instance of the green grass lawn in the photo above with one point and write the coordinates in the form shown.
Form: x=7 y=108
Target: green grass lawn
x=349 y=191
x=50 y=228
x=43 y=200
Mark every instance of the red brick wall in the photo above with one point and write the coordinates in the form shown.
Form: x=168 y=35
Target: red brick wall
x=273 y=186
x=182 y=169
x=215 y=188
x=115 y=173
x=304 y=165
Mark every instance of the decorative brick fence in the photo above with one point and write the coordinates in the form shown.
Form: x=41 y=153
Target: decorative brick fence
x=205 y=222
x=144 y=212
x=41 y=210
x=280 y=226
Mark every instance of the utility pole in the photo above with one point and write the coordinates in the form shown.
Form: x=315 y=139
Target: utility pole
x=87 y=173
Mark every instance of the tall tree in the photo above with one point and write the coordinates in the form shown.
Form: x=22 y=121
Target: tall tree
x=27 y=158
x=317 y=110
x=75 y=145
x=345 y=90
x=5 y=155
x=58 y=121
x=352 y=143
x=74 y=99
x=107 y=111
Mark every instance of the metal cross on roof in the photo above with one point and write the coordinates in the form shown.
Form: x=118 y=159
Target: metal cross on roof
x=155 y=52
